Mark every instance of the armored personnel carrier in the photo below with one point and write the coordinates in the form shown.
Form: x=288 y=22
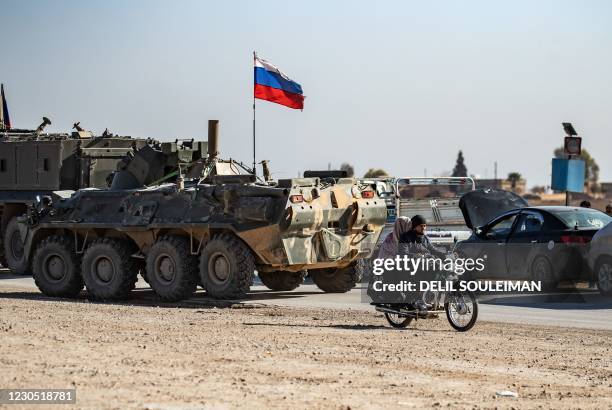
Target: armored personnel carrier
x=34 y=164
x=214 y=225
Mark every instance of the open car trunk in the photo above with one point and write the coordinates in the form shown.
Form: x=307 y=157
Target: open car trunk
x=482 y=205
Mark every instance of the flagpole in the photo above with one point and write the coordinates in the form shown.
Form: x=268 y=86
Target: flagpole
x=2 y=107
x=254 y=169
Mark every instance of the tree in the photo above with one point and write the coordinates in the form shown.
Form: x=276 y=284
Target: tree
x=538 y=189
x=460 y=169
x=350 y=171
x=376 y=173
x=591 y=169
x=514 y=178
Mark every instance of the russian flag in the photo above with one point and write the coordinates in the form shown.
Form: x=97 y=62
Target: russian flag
x=271 y=84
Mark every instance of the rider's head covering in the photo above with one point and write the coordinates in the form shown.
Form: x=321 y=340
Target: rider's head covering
x=418 y=220
x=401 y=226
x=388 y=249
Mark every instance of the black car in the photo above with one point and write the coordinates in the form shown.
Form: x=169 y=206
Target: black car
x=516 y=241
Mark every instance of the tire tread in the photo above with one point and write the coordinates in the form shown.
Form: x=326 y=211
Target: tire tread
x=241 y=283
x=342 y=281
x=75 y=284
x=127 y=266
x=187 y=284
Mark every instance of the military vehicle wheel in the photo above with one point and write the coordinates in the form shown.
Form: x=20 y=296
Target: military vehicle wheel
x=57 y=268
x=108 y=269
x=2 y=257
x=334 y=280
x=226 y=267
x=281 y=280
x=13 y=249
x=171 y=269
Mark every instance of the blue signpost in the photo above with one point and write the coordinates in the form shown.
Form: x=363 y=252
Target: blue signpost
x=567 y=175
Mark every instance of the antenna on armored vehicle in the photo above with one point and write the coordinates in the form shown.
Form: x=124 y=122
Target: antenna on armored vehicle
x=46 y=121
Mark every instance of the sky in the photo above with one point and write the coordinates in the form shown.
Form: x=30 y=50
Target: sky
x=398 y=85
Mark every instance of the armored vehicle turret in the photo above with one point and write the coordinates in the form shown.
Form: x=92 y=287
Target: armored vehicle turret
x=215 y=224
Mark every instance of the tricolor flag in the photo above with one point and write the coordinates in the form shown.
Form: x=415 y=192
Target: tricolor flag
x=5 y=120
x=271 y=84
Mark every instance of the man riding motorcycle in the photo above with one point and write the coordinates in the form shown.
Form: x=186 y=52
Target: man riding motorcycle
x=416 y=243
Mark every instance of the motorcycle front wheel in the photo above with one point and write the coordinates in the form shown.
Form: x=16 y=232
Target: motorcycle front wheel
x=461 y=310
x=396 y=320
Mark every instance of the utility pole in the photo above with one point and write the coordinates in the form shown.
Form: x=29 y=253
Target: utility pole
x=495 y=175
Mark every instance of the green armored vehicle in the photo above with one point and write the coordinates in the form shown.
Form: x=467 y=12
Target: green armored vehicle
x=214 y=225
x=33 y=163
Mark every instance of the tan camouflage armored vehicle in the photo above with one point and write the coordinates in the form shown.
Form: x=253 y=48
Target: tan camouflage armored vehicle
x=216 y=224
x=33 y=164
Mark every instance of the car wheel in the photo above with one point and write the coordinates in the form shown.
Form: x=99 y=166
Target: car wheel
x=604 y=276
x=542 y=271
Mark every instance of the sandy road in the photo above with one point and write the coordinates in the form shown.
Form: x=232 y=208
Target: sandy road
x=144 y=354
x=585 y=309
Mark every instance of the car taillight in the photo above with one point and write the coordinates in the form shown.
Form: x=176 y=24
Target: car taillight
x=367 y=194
x=296 y=199
x=575 y=239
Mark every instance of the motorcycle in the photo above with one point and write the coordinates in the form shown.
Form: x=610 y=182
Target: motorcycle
x=460 y=307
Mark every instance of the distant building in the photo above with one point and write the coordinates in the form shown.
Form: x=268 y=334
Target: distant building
x=606 y=188
x=482 y=183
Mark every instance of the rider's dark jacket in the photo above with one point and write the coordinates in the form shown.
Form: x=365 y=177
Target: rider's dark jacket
x=412 y=243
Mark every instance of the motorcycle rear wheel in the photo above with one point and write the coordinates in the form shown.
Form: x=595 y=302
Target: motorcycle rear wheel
x=397 y=321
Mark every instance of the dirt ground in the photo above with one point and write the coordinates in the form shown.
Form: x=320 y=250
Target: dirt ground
x=144 y=355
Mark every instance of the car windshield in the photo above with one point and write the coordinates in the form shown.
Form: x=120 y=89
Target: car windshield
x=583 y=218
